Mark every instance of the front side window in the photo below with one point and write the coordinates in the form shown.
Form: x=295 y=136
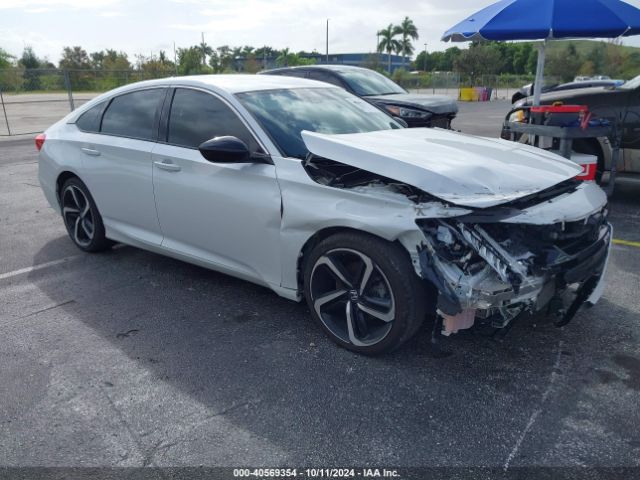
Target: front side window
x=285 y=113
x=198 y=116
x=133 y=114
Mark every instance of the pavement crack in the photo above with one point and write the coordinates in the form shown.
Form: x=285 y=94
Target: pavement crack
x=539 y=409
x=46 y=309
x=134 y=436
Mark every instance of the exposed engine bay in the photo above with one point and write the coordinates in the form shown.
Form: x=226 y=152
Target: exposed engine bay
x=488 y=270
x=339 y=175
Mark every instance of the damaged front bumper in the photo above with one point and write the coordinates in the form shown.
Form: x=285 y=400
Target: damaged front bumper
x=493 y=272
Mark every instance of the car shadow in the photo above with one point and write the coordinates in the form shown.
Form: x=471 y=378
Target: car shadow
x=261 y=363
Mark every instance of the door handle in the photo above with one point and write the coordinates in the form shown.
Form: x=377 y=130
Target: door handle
x=169 y=167
x=91 y=151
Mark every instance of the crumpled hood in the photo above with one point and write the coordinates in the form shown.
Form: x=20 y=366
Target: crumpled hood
x=439 y=104
x=458 y=168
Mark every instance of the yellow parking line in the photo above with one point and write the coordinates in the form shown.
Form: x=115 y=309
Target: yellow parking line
x=626 y=243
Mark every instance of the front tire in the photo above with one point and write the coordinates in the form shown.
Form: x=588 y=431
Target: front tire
x=364 y=292
x=81 y=217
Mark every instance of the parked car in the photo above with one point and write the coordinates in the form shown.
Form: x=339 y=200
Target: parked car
x=417 y=110
x=619 y=104
x=314 y=193
x=527 y=90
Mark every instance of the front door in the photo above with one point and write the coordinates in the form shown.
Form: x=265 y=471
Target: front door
x=224 y=214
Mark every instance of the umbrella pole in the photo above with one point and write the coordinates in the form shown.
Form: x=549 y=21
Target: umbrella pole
x=537 y=87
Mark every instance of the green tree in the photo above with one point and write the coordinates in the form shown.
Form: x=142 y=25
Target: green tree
x=5 y=58
x=205 y=51
x=409 y=33
x=225 y=57
x=388 y=43
x=598 y=57
x=564 y=63
x=478 y=60
x=190 y=61
x=587 y=68
x=74 y=58
x=285 y=58
x=114 y=60
x=445 y=63
x=96 y=59
x=521 y=58
x=29 y=60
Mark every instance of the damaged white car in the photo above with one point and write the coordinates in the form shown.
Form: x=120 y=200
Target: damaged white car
x=301 y=187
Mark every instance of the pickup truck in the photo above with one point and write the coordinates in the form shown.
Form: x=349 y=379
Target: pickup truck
x=616 y=103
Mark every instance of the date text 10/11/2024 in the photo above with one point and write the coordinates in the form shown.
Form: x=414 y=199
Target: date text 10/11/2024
x=315 y=473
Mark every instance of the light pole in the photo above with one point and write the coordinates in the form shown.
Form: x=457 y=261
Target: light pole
x=327 y=40
x=425 y=58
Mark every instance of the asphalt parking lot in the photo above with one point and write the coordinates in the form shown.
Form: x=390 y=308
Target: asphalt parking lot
x=128 y=358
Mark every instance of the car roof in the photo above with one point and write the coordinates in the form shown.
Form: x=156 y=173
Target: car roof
x=333 y=68
x=224 y=85
x=232 y=83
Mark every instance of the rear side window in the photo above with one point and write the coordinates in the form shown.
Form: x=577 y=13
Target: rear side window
x=133 y=114
x=293 y=73
x=89 y=121
x=325 y=77
x=198 y=116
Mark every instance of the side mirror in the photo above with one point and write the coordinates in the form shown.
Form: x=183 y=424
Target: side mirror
x=226 y=150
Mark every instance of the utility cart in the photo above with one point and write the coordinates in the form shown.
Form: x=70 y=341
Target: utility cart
x=564 y=135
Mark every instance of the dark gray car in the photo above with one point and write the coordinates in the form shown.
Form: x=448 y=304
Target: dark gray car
x=417 y=110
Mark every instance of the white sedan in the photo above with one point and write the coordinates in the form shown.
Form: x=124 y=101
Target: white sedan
x=310 y=191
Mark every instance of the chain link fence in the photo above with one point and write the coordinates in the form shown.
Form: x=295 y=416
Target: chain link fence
x=33 y=99
x=501 y=87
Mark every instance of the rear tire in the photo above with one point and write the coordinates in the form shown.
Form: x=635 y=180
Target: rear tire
x=81 y=217
x=364 y=292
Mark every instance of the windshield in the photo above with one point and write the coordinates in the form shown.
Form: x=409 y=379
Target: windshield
x=631 y=84
x=367 y=82
x=284 y=114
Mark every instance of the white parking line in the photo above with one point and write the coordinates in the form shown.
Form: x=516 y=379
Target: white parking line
x=34 y=268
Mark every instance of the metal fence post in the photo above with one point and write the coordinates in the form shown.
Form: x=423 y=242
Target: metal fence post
x=67 y=84
x=5 y=113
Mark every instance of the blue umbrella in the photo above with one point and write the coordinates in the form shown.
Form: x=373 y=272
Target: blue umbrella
x=547 y=20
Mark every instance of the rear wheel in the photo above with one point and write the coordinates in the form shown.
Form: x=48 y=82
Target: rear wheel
x=364 y=292
x=81 y=217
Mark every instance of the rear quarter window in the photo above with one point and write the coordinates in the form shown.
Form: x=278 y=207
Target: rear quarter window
x=89 y=121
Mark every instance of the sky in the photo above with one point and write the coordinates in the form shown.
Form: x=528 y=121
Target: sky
x=147 y=26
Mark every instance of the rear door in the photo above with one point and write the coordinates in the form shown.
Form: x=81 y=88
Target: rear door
x=117 y=165
x=224 y=214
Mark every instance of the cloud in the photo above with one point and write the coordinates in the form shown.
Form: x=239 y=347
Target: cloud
x=111 y=14
x=36 y=6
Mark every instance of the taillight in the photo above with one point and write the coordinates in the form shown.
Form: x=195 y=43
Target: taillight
x=40 y=141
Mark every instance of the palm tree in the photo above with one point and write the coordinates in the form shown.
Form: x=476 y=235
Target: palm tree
x=409 y=32
x=206 y=50
x=284 y=58
x=388 y=43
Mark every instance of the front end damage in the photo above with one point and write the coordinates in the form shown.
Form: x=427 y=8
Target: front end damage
x=501 y=230
x=492 y=272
